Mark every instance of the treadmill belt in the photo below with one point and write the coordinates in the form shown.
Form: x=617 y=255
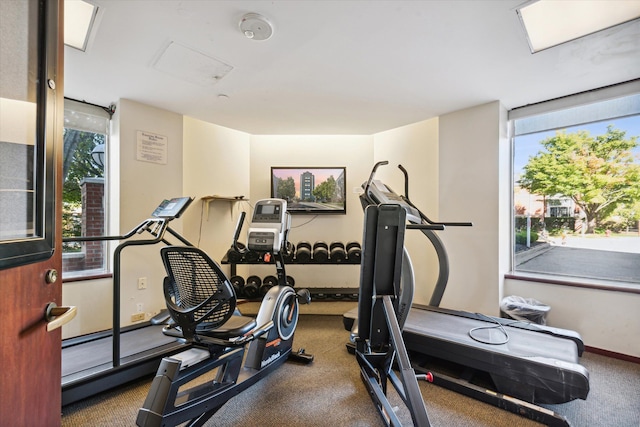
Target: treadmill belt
x=520 y=342
x=535 y=367
x=96 y=355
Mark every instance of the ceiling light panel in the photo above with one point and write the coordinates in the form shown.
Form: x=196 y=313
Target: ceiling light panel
x=549 y=23
x=79 y=18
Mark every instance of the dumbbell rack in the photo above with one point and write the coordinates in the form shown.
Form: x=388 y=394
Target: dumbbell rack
x=317 y=293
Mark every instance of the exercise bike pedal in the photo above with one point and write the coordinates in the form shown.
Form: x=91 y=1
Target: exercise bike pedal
x=304 y=296
x=301 y=356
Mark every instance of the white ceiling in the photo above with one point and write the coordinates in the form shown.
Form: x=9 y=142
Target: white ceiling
x=338 y=67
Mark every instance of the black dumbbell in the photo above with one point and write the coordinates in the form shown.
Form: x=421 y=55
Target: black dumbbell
x=252 y=256
x=354 y=251
x=303 y=252
x=237 y=282
x=320 y=251
x=251 y=288
x=267 y=283
x=337 y=252
x=320 y=296
x=235 y=255
x=291 y=281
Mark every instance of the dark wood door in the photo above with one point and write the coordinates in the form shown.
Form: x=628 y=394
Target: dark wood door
x=30 y=355
x=31 y=113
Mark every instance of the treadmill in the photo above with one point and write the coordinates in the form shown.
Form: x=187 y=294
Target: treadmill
x=511 y=364
x=100 y=361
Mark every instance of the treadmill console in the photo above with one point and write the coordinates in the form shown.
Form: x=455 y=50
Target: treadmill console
x=268 y=226
x=378 y=193
x=172 y=208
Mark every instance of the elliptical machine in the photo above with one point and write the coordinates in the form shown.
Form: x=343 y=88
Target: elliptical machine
x=236 y=351
x=381 y=314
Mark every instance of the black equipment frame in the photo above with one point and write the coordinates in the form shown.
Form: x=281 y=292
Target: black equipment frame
x=423 y=348
x=379 y=343
x=239 y=350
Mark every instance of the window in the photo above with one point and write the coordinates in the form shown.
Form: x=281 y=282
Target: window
x=576 y=181
x=86 y=136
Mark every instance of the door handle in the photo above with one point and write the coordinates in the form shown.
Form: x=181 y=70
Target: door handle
x=58 y=316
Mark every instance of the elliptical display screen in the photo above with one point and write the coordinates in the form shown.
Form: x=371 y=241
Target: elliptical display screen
x=267 y=213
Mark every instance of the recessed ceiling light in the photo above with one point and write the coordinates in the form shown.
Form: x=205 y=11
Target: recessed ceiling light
x=549 y=23
x=79 y=18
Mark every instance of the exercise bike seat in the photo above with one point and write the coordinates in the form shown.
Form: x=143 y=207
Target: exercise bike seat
x=236 y=326
x=199 y=297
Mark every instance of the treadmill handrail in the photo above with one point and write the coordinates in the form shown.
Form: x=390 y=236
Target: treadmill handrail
x=137 y=229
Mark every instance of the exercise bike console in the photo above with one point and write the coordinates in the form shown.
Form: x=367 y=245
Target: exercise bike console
x=269 y=225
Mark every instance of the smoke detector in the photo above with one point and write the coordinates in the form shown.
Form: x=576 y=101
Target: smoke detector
x=256 y=27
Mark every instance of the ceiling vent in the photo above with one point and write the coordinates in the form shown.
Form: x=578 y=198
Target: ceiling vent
x=191 y=65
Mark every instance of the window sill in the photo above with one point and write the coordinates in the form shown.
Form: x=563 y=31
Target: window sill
x=86 y=275
x=577 y=282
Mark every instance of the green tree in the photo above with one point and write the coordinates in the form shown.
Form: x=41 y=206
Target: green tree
x=77 y=161
x=77 y=164
x=629 y=214
x=286 y=188
x=598 y=173
x=326 y=190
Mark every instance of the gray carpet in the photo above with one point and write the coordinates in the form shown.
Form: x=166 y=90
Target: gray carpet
x=329 y=392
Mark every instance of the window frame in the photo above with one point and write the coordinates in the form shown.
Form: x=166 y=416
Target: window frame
x=102 y=113
x=556 y=106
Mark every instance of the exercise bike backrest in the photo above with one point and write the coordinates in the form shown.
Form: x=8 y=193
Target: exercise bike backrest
x=197 y=293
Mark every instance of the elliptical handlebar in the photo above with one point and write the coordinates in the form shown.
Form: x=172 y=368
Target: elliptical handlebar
x=406 y=182
x=236 y=234
x=373 y=172
x=439 y=227
x=405 y=197
x=429 y=221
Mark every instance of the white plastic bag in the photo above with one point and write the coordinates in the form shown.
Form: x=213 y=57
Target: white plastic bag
x=526 y=309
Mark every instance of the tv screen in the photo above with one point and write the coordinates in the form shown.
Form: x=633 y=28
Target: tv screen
x=311 y=190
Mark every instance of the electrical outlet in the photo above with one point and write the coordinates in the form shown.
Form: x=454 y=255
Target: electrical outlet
x=137 y=317
x=142 y=283
x=139 y=307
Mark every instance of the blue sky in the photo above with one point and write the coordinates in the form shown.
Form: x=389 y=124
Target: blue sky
x=529 y=145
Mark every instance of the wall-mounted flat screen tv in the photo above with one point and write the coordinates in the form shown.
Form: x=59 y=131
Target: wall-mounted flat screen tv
x=311 y=190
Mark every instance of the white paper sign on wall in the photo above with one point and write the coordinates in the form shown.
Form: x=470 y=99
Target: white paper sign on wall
x=151 y=148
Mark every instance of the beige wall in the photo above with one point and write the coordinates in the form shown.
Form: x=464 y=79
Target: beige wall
x=474 y=181
x=459 y=170
x=415 y=147
x=216 y=162
x=140 y=187
x=607 y=320
x=354 y=152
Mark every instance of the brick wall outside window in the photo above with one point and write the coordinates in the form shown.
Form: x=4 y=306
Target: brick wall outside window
x=92 y=255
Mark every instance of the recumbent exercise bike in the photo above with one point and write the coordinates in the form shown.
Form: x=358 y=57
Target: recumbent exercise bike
x=235 y=351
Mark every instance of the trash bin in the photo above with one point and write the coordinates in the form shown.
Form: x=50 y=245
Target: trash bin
x=526 y=309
